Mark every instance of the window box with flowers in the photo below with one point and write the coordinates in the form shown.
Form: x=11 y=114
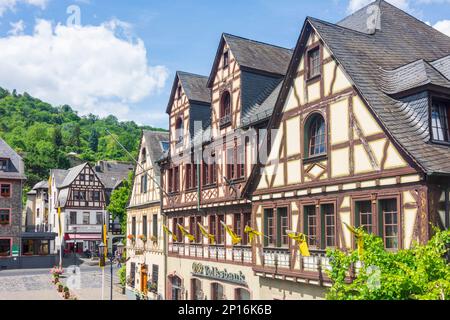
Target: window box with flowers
x=143 y=238
x=132 y=238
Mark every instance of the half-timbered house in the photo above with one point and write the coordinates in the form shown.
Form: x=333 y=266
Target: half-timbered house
x=361 y=136
x=205 y=171
x=82 y=194
x=146 y=265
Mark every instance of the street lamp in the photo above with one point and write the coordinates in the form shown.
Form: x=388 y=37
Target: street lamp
x=112 y=257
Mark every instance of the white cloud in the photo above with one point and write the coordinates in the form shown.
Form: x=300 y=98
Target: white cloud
x=90 y=68
x=11 y=4
x=443 y=26
x=355 y=5
x=17 y=28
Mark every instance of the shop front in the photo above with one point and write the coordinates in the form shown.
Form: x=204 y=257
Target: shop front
x=210 y=281
x=80 y=243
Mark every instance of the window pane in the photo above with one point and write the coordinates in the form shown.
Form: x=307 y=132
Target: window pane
x=364 y=212
x=316 y=136
x=5 y=247
x=311 y=225
x=390 y=219
x=330 y=225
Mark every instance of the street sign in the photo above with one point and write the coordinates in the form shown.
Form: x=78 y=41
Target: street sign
x=15 y=250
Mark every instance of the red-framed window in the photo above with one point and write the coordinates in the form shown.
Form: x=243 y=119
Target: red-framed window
x=209 y=172
x=235 y=158
x=5 y=190
x=5 y=247
x=314 y=66
x=5 y=216
x=188 y=182
x=194 y=229
x=212 y=226
x=176 y=231
x=246 y=221
x=220 y=237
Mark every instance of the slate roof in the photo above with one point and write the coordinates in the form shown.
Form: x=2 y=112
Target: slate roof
x=16 y=168
x=410 y=76
x=41 y=185
x=60 y=175
x=401 y=40
x=194 y=86
x=72 y=174
x=258 y=55
x=263 y=107
x=154 y=147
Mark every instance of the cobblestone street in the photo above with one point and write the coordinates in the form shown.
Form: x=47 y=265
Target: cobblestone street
x=37 y=285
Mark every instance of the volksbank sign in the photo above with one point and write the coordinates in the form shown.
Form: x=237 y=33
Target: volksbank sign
x=200 y=270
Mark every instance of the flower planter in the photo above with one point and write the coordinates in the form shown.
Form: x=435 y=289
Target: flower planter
x=60 y=288
x=66 y=295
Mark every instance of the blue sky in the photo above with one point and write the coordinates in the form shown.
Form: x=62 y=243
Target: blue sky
x=129 y=71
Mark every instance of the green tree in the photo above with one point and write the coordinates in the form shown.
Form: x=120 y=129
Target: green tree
x=419 y=273
x=93 y=140
x=119 y=201
x=57 y=137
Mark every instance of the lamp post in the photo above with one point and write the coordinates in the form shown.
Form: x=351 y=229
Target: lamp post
x=112 y=257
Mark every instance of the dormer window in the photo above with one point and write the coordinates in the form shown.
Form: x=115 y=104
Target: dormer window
x=179 y=130
x=314 y=63
x=440 y=117
x=225 y=109
x=3 y=164
x=226 y=59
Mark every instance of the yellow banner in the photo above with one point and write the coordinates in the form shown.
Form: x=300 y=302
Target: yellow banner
x=302 y=243
x=186 y=233
x=205 y=233
x=170 y=233
x=252 y=233
x=59 y=223
x=359 y=235
x=235 y=239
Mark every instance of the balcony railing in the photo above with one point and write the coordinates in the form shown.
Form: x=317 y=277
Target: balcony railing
x=240 y=254
x=277 y=258
x=41 y=228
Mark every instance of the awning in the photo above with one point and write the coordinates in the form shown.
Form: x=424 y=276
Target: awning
x=83 y=236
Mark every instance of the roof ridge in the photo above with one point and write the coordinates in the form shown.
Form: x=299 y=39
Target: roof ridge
x=257 y=41
x=191 y=74
x=337 y=26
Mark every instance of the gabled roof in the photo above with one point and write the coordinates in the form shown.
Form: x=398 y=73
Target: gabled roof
x=253 y=55
x=16 y=168
x=72 y=174
x=365 y=56
x=194 y=86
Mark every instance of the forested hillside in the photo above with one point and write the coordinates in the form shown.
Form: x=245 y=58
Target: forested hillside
x=45 y=135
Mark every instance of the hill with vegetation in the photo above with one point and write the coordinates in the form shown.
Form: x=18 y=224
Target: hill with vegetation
x=47 y=136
